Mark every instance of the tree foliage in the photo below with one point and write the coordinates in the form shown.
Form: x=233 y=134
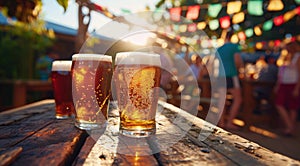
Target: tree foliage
x=20 y=46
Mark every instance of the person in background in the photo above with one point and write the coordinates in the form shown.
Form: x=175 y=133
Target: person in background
x=263 y=93
x=44 y=64
x=231 y=59
x=287 y=88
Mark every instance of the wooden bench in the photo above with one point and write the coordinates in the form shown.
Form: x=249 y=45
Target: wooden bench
x=31 y=134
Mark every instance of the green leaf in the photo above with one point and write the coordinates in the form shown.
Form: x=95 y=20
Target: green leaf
x=63 y=3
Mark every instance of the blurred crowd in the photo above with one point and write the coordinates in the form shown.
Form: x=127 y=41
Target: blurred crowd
x=282 y=71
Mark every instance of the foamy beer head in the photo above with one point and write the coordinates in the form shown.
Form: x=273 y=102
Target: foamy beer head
x=91 y=57
x=61 y=65
x=137 y=58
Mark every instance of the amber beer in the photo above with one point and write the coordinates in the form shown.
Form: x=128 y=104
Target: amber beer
x=62 y=86
x=136 y=80
x=91 y=80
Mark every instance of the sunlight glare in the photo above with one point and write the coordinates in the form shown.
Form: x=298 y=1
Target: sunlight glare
x=139 y=38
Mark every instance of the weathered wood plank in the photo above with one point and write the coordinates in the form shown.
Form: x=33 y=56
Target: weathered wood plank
x=177 y=148
x=14 y=133
x=44 y=139
x=237 y=149
x=55 y=144
x=8 y=156
x=111 y=148
x=17 y=114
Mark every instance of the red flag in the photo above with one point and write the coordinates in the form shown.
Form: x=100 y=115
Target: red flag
x=98 y=7
x=193 y=12
x=278 y=20
x=192 y=27
x=298 y=10
x=225 y=22
x=175 y=13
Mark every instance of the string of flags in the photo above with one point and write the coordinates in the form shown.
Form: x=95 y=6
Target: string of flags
x=236 y=16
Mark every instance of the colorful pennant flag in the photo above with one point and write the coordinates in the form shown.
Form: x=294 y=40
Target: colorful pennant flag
x=214 y=9
x=255 y=7
x=278 y=20
x=182 y=28
x=289 y=15
x=201 y=25
x=238 y=18
x=193 y=12
x=192 y=27
x=225 y=22
x=242 y=35
x=175 y=13
x=234 y=7
x=268 y=25
x=249 y=32
x=213 y=24
x=257 y=31
x=275 y=5
x=297 y=10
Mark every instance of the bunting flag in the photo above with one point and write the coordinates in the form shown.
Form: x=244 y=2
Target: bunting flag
x=175 y=27
x=103 y=10
x=257 y=31
x=175 y=14
x=192 y=27
x=278 y=20
x=201 y=25
x=242 y=36
x=225 y=22
x=126 y=11
x=214 y=9
x=275 y=5
x=268 y=25
x=249 y=32
x=234 y=38
x=238 y=18
x=255 y=7
x=234 y=7
x=193 y=12
x=182 y=28
x=297 y=10
x=213 y=24
x=98 y=8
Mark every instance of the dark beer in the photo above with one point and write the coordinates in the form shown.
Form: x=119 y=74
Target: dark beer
x=62 y=85
x=91 y=80
x=137 y=79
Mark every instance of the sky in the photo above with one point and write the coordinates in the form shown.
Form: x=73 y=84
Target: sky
x=51 y=11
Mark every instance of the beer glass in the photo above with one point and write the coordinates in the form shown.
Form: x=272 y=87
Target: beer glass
x=62 y=87
x=91 y=80
x=136 y=82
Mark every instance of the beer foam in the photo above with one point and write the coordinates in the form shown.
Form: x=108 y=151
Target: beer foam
x=92 y=57
x=61 y=65
x=134 y=58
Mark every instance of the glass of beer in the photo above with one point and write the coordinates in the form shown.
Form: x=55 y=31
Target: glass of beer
x=62 y=86
x=136 y=82
x=91 y=80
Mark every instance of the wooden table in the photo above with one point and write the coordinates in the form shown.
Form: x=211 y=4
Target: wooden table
x=31 y=135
